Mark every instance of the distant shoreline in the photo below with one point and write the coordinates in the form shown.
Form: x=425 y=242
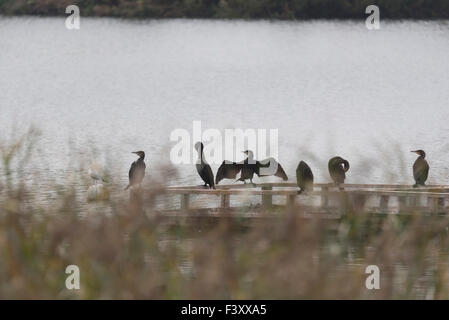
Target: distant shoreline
x=233 y=9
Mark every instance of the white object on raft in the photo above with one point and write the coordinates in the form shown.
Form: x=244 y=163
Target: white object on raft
x=96 y=172
x=97 y=192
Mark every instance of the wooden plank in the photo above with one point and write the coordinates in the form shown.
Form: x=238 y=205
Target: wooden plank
x=306 y=212
x=324 y=192
x=319 y=185
x=408 y=198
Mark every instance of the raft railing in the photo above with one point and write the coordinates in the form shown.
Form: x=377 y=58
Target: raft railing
x=356 y=195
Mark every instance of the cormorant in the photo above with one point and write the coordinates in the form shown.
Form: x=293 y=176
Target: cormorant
x=137 y=170
x=203 y=168
x=266 y=167
x=337 y=168
x=248 y=168
x=420 y=169
x=304 y=177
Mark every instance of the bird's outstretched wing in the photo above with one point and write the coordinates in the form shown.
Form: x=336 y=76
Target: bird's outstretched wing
x=270 y=167
x=228 y=170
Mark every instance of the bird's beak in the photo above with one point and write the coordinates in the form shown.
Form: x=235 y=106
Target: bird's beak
x=414 y=151
x=135 y=152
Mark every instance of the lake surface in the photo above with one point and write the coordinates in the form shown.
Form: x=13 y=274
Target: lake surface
x=117 y=86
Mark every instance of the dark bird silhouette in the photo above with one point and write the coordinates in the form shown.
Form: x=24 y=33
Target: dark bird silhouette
x=228 y=170
x=203 y=168
x=304 y=177
x=337 y=169
x=137 y=170
x=420 y=169
x=249 y=167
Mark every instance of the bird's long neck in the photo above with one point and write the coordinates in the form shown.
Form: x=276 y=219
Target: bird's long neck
x=200 y=155
x=141 y=158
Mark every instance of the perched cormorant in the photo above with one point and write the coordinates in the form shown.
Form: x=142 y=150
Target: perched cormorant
x=137 y=170
x=304 y=177
x=420 y=169
x=249 y=167
x=337 y=168
x=203 y=168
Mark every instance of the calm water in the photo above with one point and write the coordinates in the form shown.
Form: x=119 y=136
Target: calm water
x=329 y=87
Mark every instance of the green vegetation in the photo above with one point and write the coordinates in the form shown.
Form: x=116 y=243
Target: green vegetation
x=234 y=9
x=126 y=249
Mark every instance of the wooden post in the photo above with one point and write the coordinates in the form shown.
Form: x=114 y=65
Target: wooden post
x=402 y=203
x=225 y=201
x=185 y=202
x=413 y=201
x=291 y=200
x=436 y=204
x=441 y=207
x=324 y=197
x=267 y=199
x=358 y=202
x=384 y=203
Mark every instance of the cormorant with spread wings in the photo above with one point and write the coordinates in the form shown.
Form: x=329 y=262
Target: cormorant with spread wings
x=249 y=167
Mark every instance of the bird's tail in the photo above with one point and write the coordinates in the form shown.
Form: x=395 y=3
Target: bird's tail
x=127 y=187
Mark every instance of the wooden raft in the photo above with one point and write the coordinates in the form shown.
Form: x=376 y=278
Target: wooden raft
x=430 y=199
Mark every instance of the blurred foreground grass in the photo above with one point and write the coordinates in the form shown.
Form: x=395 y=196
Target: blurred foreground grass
x=126 y=249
